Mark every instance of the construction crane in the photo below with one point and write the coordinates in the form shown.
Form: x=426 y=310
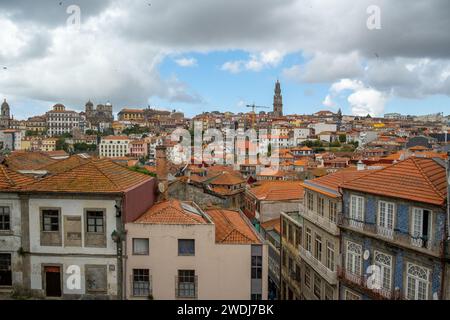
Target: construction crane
x=254 y=107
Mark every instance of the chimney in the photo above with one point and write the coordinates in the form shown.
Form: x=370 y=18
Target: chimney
x=360 y=166
x=161 y=171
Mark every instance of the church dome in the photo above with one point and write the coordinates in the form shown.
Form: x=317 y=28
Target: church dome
x=5 y=104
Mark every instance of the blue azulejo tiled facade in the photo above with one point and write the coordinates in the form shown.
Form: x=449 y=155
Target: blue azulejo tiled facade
x=391 y=248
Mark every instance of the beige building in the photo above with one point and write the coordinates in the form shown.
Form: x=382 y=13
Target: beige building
x=49 y=144
x=177 y=251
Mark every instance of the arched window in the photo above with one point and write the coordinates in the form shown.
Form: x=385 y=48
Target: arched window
x=417 y=282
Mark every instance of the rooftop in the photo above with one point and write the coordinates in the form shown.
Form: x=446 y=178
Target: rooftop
x=94 y=176
x=11 y=180
x=232 y=227
x=173 y=212
x=278 y=190
x=415 y=179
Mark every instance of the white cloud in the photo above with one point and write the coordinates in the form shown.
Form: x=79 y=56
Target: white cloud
x=363 y=100
x=328 y=102
x=232 y=66
x=186 y=62
x=256 y=62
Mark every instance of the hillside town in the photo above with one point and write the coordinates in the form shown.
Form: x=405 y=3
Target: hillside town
x=98 y=205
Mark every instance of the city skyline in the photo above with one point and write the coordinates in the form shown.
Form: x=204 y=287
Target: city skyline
x=324 y=56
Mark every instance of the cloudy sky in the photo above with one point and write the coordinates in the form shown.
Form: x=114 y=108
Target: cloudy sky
x=201 y=55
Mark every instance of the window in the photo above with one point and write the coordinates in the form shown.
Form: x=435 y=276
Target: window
x=421 y=225
x=320 y=205
x=298 y=237
x=384 y=262
x=257 y=267
x=417 y=282
x=186 y=286
x=333 y=211
x=186 y=247
x=141 y=282
x=356 y=211
x=386 y=219
x=329 y=292
x=5 y=219
x=317 y=286
x=50 y=220
x=310 y=201
x=308 y=277
x=318 y=248
x=330 y=256
x=353 y=258
x=308 y=239
x=5 y=269
x=95 y=223
x=140 y=246
x=291 y=233
x=348 y=295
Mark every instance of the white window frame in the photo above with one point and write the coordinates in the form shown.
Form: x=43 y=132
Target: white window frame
x=417 y=280
x=355 y=257
x=356 y=214
x=383 y=221
x=308 y=240
x=383 y=268
x=416 y=236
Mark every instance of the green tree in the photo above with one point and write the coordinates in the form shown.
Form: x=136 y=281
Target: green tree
x=62 y=145
x=342 y=138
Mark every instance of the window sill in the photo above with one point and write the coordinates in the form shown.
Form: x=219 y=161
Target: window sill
x=6 y=233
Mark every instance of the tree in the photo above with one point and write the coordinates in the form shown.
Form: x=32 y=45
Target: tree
x=62 y=145
x=342 y=138
x=142 y=170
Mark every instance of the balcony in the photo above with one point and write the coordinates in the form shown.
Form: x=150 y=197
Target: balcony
x=327 y=274
x=360 y=282
x=421 y=244
x=320 y=221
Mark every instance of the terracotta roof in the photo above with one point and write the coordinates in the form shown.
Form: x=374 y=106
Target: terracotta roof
x=172 y=212
x=274 y=224
x=232 y=228
x=226 y=178
x=333 y=181
x=116 y=138
x=65 y=164
x=11 y=180
x=278 y=190
x=25 y=160
x=96 y=176
x=416 y=179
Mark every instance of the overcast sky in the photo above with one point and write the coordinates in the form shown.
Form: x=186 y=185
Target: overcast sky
x=200 y=55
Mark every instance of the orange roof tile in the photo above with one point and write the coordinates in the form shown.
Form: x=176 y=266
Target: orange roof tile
x=415 y=179
x=274 y=224
x=226 y=178
x=11 y=180
x=278 y=190
x=172 y=212
x=27 y=160
x=65 y=164
x=333 y=181
x=232 y=228
x=95 y=176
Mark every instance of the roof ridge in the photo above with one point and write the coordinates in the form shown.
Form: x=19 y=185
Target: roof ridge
x=426 y=177
x=234 y=230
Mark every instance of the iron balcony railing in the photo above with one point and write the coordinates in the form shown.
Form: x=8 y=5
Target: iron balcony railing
x=325 y=272
x=422 y=244
x=360 y=281
x=322 y=221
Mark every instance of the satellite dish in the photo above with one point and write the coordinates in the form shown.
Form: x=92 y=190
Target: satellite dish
x=161 y=187
x=366 y=255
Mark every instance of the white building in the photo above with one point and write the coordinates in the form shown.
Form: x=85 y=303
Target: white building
x=114 y=146
x=11 y=139
x=65 y=227
x=321 y=127
x=11 y=271
x=177 y=251
x=60 y=120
